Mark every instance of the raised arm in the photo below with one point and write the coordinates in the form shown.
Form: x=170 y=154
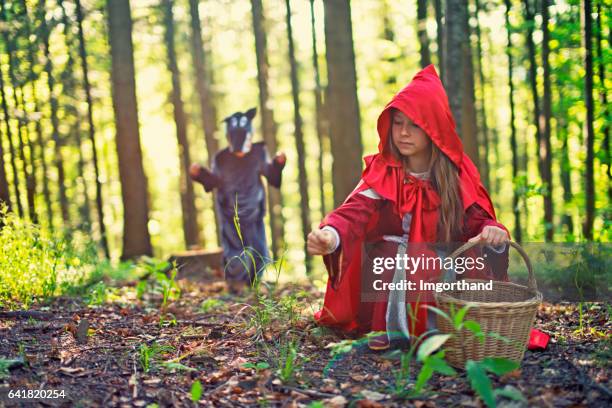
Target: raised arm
x=273 y=169
x=205 y=177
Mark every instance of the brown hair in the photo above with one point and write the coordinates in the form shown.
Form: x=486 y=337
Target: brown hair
x=444 y=177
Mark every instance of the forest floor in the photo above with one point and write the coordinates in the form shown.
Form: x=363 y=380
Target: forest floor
x=128 y=350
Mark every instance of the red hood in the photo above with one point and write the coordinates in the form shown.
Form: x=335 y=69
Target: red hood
x=425 y=102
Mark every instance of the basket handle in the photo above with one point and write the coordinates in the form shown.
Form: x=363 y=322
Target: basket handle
x=531 y=280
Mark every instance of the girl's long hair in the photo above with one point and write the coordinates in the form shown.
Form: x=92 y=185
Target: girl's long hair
x=444 y=177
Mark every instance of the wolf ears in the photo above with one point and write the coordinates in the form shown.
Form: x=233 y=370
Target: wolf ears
x=251 y=113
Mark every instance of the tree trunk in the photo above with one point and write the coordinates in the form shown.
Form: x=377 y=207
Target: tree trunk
x=587 y=228
x=544 y=122
x=57 y=143
x=532 y=75
x=299 y=139
x=208 y=113
x=439 y=10
x=319 y=111
x=19 y=105
x=518 y=234
x=565 y=166
x=33 y=61
x=343 y=105
x=459 y=81
x=267 y=121
x=191 y=229
x=601 y=72
x=12 y=152
x=5 y=195
x=136 y=239
x=70 y=93
x=422 y=32
x=92 y=129
x=484 y=128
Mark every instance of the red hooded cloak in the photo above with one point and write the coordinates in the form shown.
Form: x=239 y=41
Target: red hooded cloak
x=361 y=219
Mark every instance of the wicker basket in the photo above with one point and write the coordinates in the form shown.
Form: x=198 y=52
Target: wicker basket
x=508 y=310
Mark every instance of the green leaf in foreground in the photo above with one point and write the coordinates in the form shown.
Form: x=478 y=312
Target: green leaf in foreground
x=499 y=366
x=431 y=344
x=480 y=382
x=196 y=391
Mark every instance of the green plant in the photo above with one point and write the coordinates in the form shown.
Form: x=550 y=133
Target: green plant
x=211 y=304
x=481 y=384
x=288 y=362
x=259 y=366
x=37 y=264
x=196 y=391
x=148 y=355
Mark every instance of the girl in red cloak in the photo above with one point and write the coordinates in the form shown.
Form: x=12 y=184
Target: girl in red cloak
x=420 y=188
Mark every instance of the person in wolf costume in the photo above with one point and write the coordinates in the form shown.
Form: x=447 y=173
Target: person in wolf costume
x=236 y=174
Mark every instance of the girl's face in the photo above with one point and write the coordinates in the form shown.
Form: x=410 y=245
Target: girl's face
x=408 y=138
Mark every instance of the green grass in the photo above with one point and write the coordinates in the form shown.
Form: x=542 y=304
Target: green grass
x=36 y=265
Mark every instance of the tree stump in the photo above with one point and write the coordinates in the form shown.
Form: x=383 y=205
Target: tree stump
x=199 y=264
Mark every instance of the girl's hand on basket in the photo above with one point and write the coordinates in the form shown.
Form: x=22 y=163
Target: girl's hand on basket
x=491 y=235
x=320 y=242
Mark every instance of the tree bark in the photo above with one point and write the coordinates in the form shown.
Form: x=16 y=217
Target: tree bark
x=33 y=60
x=422 y=32
x=299 y=139
x=5 y=195
x=9 y=136
x=439 y=10
x=484 y=128
x=601 y=72
x=319 y=111
x=136 y=239
x=19 y=105
x=57 y=142
x=208 y=113
x=544 y=122
x=267 y=121
x=191 y=229
x=70 y=93
x=587 y=229
x=343 y=105
x=92 y=129
x=459 y=80
x=518 y=233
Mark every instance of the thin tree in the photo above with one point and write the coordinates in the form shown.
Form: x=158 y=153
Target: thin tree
x=136 y=238
x=299 y=138
x=267 y=120
x=208 y=113
x=565 y=165
x=518 y=236
x=484 y=128
x=529 y=16
x=10 y=40
x=587 y=228
x=544 y=122
x=603 y=99
x=9 y=136
x=57 y=142
x=459 y=80
x=91 y=126
x=191 y=230
x=343 y=105
x=71 y=109
x=33 y=61
x=422 y=32
x=439 y=10
x=319 y=110
x=5 y=195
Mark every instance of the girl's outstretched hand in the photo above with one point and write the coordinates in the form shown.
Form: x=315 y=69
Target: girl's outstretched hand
x=491 y=235
x=320 y=242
